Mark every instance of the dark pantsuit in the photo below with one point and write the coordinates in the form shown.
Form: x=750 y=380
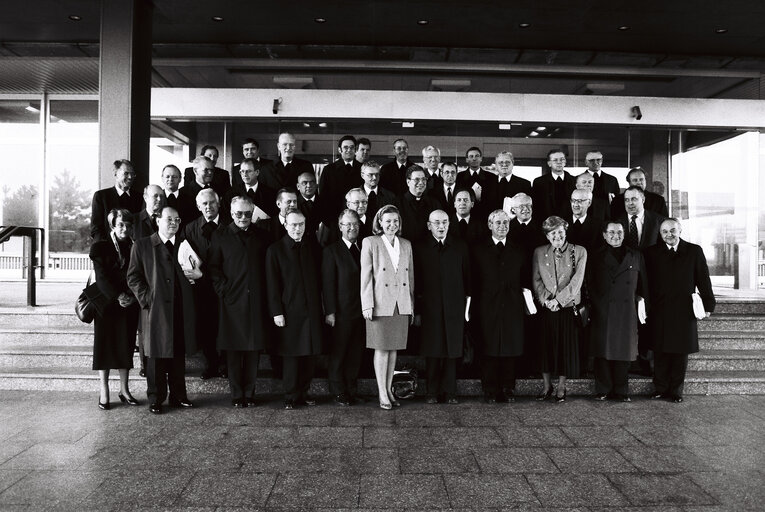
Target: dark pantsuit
x=442 y=376
x=348 y=341
x=242 y=372
x=669 y=373
x=611 y=377
x=298 y=372
x=498 y=374
x=161 y=372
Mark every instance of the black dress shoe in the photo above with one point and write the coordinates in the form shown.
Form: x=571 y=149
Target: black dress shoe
x=343 y=400
x=128 y=399
x=104 y=406
x=142 y=373
x=307 y=400
x=155 y=408
x=677 y=399
x=223 y=373
x=186 y=403
x=207 y=375
x=489 y=399
x=289 y=404
x=238 y=403
x=657 y=396
x=452 y=401
x=510 y=395
x=601 y=397
x=625 y=398
x=251 y=402
x=431 y=400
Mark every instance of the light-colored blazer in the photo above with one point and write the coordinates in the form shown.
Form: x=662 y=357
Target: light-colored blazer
x=382 y=288
x=566 y=289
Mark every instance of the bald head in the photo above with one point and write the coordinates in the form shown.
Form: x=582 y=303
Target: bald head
x=438 y=224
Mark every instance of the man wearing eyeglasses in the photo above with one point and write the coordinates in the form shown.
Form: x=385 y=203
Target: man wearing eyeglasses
x=393 y=173
x=551 y=191
x=121 y=195
x=339 y=177
x=165 y=294
x=285 y=170
x=504 y=185
x=605 y=186
x=293 y=275
x=237 y=270
x=286 y=202
x=583 y=228
x=415 y=205
x=249 y=185
x=340 y=271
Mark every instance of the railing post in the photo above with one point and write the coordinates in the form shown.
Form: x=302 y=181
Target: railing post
x=31 y=285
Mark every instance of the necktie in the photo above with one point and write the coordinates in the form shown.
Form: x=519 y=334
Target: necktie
x=500 y=246
x=169 y=246
x=632 y=237
x=449 y=196
x=440 y=245
x=349 y=167
x=463 y=226
x=172 y=201
x=558 y=194
x=124 y=201
x=154 y=225
x=372 y=202
x=208 y=229
x=251 y=194
x=356 y=253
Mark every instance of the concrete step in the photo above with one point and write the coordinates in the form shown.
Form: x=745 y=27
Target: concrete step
x=32 y=318
x=740 y=307
x=69 y=379
x=724 y=322
x=48 y=336
x=727 y=360
x=731 y=340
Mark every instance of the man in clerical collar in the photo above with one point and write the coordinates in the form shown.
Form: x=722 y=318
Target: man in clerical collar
x=376 y=194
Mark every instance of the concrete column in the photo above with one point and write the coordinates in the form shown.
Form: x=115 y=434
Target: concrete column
x=125 y=87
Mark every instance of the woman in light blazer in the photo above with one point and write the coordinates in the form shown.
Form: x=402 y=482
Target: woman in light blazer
x=387 y=296
x=558 y=274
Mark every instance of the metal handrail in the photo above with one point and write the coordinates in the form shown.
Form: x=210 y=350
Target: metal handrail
x=30 y=257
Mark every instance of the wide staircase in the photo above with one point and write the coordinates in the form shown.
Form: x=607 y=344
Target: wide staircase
x=47 y=348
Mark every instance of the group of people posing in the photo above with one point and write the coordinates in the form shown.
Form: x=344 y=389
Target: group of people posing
x=391 y=257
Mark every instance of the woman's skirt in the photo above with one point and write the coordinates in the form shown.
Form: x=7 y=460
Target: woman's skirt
x=559 y=350
x=114 y=337
x=388 y=332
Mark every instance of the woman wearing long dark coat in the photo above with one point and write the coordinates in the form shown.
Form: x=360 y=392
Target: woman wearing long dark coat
x=116 y=321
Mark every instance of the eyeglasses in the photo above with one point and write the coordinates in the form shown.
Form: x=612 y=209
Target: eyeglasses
x=363 y=201
x=579 y=201
x=350 y=224
x=504 y=164
x=557 y=160
x=171 y=220
x=615 y=233
x=419 y=180
x=239 y=215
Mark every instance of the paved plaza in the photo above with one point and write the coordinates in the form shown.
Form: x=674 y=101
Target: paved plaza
x=60 y=452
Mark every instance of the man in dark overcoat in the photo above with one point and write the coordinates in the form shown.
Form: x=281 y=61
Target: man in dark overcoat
x=237 y=269
x=165 y=294
x=293 y=274
x=339 y=177
x=341 y=282
x=552 y=191
x=616 y=284
x=442 y=281
x=415 y=206
x=676 y=268
x=498 y=282
x=198 y=233
x=261 y=196
x=121 y=195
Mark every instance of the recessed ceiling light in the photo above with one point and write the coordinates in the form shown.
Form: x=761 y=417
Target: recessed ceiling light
x=320 y=20
x=524 y=25
x=322 y=125
x=217 y=18
x=306 y=125
x=720 y=30
x=624 y=27
x=533 y=134
x=74 y=17
x=422 y=22
x=505 y=126
x=407 y=124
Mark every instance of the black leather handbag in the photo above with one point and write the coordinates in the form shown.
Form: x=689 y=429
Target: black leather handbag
x=86 y=304
x=404 y=385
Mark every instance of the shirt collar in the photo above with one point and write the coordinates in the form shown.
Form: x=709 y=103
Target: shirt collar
x=368 y=190
x=120 y=191
x=497 y=240
x=254 y=187
x=164 y=240
x=580 y=219
x=168 y=193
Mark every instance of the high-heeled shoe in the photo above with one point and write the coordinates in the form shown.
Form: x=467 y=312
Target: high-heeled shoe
x=561 y=399
x=386 y=406
x=545 y=395
x=128 y=399
x=104 y=406
x=395 y=403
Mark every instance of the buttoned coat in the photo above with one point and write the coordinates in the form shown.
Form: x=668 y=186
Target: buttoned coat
x=341 y=282
x=442 y=281
x=237 y=269
x=104 y=201
x=275 y=175
x=543 y=193
x=672 y=278
x=650 y=234
x=564 y=286
x=382 y=286
x=414 y=215
x=495 y=191
x=293 y=275
x=497 y=305
x=393 y=177
x=151 y=276
x=612 y=288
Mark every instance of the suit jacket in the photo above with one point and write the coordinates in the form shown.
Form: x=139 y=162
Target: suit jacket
x=336 y=180
x=393 y=177
x=143 y=225
x=650 y=235
x=341 y=281
x=264 y=198
x=544 y=197
x=605 y=185
x=275 y=175
x=439 y=194
x=476 y=230
x=332 y=233
x=293 y=274
x=152 y=276
x=653 y=202
x=382 y=286
x=104 y=201
x=314 y=213
x=672 y=278
x=414 y=215
x=496 y=191
x=589 y=235
x=185 y=206
x=498 y=305
x=599 y=210
x=189 y=195
x=273 y=227
x=563 y=284
x=442 y=281
x=384 y=197
x=236 y=178
x=237 y=269
x=221 y=181
x=612 y=287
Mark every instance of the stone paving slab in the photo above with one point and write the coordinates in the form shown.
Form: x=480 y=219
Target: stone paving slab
x=59 y=452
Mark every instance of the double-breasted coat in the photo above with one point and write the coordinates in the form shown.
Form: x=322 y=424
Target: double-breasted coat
x=612 y=287
x=383 y=287
x=442 y=281
x=152 y=276
x=237 y=269
x=497 y=301
x=672 y=278
x=293 y=275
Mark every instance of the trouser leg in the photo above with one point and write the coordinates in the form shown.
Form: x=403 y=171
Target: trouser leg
x=250 y=361
x=678 y=366
x=156 y=379
x=235 y=379
x=619 y=370
x=290 y=377
x=507 y=373
x=603 y=381
x=449 y=377
x=661 y=374
x=489 y=372
x=306 y=367
x=177 y=377
x=353 y=355
x=434 y=375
